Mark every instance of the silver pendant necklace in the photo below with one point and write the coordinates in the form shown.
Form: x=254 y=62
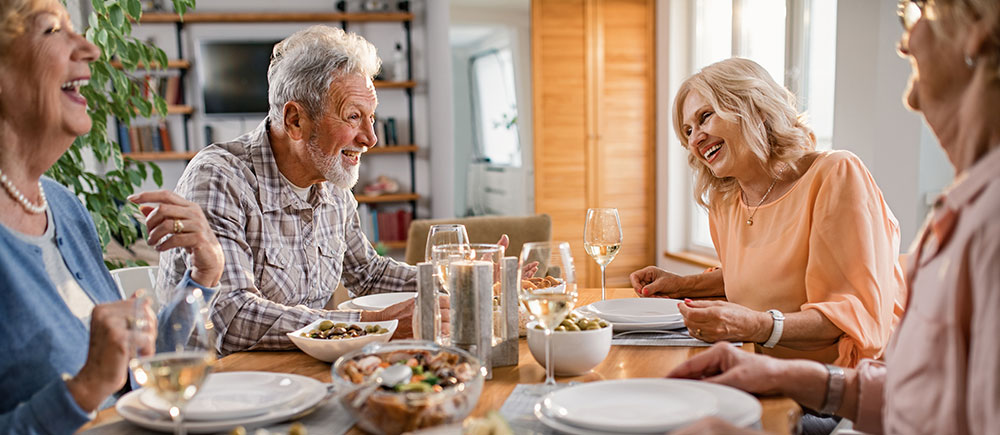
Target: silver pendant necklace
x=20 y=198
x=754 y=211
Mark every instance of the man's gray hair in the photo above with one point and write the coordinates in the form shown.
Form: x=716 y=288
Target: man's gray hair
x=304 y=65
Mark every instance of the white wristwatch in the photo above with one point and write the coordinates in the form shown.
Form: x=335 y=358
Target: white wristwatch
x=779 y=324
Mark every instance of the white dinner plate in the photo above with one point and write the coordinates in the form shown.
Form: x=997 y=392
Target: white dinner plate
x=624 y=326
x=230 y=395
x=611 y=405
x=381 y=301
x=734 y=406
x=308 y=393
x=347 y=305
x=635 y=310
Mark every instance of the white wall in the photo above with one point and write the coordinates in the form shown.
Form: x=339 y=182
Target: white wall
x=869 y=117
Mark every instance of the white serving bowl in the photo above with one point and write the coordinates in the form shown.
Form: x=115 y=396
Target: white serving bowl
x=329 y=350
x=573 y=352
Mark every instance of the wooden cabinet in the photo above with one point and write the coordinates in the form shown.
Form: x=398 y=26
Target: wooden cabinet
x=593 y=82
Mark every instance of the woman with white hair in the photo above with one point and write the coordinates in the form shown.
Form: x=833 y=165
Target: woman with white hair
x=808 y=245
x=941 y=373
x=66 y=337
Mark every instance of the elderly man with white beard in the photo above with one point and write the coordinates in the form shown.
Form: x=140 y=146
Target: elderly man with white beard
x=278 y=198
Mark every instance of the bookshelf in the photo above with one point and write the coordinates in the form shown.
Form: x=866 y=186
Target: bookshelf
x=400 y=88
x=184 y=155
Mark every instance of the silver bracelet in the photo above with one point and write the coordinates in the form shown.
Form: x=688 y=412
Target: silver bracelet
x=834 y=390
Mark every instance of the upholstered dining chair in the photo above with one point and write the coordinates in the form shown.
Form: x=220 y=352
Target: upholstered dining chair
x=483 y=229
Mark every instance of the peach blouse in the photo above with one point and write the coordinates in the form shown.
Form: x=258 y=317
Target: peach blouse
x=829 y=244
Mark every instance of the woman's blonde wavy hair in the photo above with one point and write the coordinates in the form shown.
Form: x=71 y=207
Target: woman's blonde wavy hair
x=739 y=90
x=13 y=16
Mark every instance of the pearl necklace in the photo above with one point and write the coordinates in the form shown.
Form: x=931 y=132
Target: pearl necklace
x=754 y=211
x=19 y=197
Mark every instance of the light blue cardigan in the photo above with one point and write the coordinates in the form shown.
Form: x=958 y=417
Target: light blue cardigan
x=41 y=338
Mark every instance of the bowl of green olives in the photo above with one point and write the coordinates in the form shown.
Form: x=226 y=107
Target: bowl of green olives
x=327 y=340
x=579 y=344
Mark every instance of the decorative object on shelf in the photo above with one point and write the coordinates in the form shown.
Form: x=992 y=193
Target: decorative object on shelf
x=374 y=5
x=110 y=93
x=399 y=64
x=382 y=185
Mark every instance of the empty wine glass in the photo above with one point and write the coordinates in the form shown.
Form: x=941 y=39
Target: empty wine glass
x=602 y=237
x=550 y=301
x=185 y=352
x=445 y=234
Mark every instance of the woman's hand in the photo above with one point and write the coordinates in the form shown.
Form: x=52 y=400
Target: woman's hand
x=651 y=281
x=801 y=380
x=178 y=223
x=728 y=365
x=713 y=321
x=117 y=333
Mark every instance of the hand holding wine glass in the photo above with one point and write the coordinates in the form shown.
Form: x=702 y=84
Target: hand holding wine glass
x=602 y=238
x=550 y=305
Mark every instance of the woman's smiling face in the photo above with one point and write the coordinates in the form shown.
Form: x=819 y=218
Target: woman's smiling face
x=42 y=72
x=715 y=142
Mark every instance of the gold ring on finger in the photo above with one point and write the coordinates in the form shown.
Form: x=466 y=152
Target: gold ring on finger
x=178 y=226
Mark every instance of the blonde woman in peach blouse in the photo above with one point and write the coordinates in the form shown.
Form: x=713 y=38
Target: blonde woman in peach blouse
x=808 y=245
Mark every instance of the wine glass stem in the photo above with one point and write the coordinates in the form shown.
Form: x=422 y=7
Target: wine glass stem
x=602 y=283
x=549 y=369
x=176 y=414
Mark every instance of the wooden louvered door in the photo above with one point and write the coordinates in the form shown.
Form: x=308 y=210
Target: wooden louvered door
x=594 y=84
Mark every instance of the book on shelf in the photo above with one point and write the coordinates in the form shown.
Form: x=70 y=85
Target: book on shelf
x=390 y=131
x=145 y=138
x=123 y=138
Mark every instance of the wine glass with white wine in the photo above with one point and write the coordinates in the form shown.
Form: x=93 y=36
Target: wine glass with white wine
x=185 y=352
x=602 y=238
x=550 y=304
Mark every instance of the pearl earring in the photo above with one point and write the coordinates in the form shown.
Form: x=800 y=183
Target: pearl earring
x=969 y=61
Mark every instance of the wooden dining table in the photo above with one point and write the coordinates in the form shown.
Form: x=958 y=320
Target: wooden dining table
x=780 y=414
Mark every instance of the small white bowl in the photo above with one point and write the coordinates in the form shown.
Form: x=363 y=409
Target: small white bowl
x=329 y=350
x=573 y=352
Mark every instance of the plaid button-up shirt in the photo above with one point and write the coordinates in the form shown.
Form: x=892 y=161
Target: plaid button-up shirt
x=284 y=256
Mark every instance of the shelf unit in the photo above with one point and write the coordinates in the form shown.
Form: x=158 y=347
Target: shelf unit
x=342 y=17
x=184 y=155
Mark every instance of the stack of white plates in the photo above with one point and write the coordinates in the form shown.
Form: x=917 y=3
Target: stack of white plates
x=227 y=400
x=643 y=406
x=637 y=313
x=376 y=302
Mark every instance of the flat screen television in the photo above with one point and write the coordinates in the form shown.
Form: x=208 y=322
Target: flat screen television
x=234 y=76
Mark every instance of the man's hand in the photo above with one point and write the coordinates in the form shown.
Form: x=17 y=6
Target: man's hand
x=713 y=321
x=118 y=331
x=178 y=223
x=403 y=312
x=651 y=281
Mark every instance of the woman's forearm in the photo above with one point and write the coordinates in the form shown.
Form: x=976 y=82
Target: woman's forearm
x=806 y=382
x=803 y=330
x=704 y=285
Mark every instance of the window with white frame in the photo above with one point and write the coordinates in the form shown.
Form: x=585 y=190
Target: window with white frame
x=495 y=107
x=794 y=40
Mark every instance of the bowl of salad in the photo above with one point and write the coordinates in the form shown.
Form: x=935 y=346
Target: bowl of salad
x=443 y=387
